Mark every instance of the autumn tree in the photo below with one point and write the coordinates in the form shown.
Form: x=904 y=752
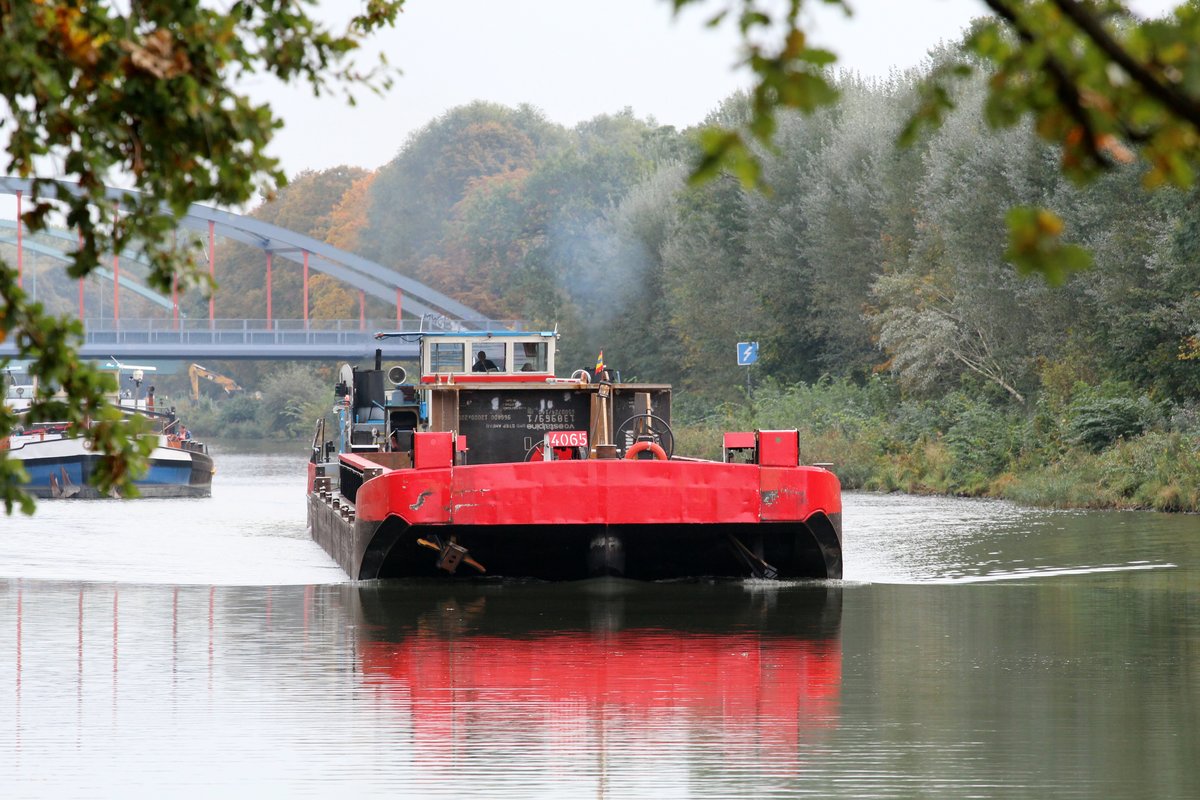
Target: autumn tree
x=348 y=219
x=414 y=194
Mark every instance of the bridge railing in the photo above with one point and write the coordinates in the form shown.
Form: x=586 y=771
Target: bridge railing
x=156 y=331
x=230 y=331
x=291 y=339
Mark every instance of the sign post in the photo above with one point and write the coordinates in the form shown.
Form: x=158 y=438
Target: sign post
x=747 y=354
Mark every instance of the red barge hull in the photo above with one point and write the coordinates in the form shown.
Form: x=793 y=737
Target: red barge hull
x=574 y=519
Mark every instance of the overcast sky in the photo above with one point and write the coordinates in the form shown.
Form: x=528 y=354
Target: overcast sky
x=575 y=59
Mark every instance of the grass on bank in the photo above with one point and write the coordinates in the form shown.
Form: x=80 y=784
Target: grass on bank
x=1104 y=446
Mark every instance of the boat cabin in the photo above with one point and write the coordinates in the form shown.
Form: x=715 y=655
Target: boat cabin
x=486 y=356
x=497 y=395
x=18 y=387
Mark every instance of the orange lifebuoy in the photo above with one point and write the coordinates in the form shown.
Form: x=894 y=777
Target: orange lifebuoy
x=641 y=447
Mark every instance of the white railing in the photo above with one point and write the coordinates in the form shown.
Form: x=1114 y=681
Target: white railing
x=263 y=331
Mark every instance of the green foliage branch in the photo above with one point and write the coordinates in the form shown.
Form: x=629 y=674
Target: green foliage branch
x=788 y=74
x=142 y=94
x=1099 y=82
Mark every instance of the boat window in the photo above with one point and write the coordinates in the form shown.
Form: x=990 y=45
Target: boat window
x=488 y=357
x=446 y=357
x=529 y=357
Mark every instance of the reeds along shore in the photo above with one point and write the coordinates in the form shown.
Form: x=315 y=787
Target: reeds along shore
x=1101 y=447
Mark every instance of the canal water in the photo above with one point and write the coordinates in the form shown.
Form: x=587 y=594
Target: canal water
x=975 y=649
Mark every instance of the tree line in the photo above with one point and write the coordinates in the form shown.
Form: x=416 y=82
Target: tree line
x=860 y=259
x=862 y=265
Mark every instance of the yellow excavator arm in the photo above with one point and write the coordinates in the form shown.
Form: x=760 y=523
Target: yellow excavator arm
x=196 y=372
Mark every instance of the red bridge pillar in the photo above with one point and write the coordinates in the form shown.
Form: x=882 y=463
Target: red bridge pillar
x=269 y=289
x=79 y=246
x=20 y=248
x=212 y=271
x=116 y=269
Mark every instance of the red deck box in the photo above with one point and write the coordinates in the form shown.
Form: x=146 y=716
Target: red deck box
x=778 y=448
x=433 y=449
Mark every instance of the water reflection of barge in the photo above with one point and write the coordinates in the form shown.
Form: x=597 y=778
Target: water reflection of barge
x=491 y=464
x=609 y=662
x=394 y=611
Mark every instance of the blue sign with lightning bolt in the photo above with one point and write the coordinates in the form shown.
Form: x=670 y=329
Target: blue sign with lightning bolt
x=747 y=353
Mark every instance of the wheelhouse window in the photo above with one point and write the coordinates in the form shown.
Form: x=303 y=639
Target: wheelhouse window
x=488 y=357
x=446 y=356
x=529 y=357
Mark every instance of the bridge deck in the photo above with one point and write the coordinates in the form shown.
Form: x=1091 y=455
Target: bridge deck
x=291 y=340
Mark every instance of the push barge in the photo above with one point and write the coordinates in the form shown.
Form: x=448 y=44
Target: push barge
x=490 y=464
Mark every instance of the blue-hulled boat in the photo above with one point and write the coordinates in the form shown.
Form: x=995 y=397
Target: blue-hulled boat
x=60 y=465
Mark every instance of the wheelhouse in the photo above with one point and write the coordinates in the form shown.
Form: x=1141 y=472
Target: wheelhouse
x=497 y=396
x=456 y=356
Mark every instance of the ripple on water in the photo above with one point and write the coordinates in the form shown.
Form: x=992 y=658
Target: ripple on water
x=251 y=531
x=916 y=539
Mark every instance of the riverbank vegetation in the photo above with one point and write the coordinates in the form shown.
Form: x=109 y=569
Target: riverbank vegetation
x=1107 y=446
x=291 y=399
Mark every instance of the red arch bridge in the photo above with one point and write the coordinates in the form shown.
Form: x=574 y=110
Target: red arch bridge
x=173 y=335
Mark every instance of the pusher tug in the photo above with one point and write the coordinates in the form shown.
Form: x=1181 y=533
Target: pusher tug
x=489 y=464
